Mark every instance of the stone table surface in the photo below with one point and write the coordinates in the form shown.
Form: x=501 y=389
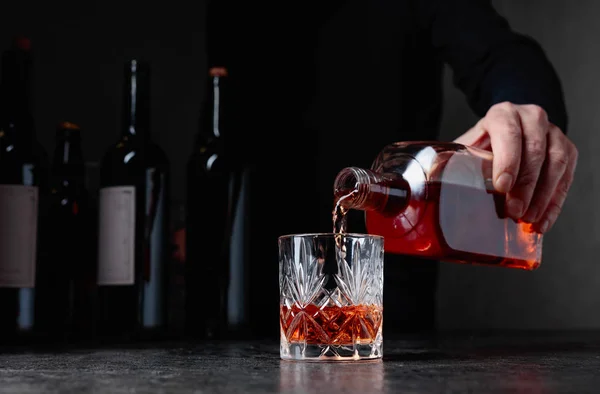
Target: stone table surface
x=500 y=363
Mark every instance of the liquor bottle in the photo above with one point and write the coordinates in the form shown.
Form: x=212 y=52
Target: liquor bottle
x=437 y=200
x=23 y=186
x=68 y=273
x=213 y=188
x=133 y=223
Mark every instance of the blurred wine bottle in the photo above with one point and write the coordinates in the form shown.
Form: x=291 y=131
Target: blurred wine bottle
x=133 y=224
x=68 y=272
x=23 y=187
x=177 y=271
x=215 y=288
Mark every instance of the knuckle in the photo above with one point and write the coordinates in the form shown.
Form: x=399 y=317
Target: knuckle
x=555 y=134
x=568 y=184
x=572 y=166
x=574 y=152
x=556 y=130
x=536 y=148
x=562 y=191
x=538 y=113
x=511 y=129
x=505 y=106
x=570 y=152
x=558 y=158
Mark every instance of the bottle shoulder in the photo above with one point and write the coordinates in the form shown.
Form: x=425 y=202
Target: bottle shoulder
x=421 y=162
x=209 y=156
x=427 y=151
x=133 y=154
x=22 y=163
x=31 y=151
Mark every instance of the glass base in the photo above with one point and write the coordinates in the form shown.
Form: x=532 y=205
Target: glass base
x=300 y=351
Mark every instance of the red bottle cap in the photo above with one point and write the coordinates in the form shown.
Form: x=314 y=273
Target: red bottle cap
x=68 y=126
x=218 y=72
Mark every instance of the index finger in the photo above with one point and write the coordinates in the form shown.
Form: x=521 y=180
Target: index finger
x=503 y=125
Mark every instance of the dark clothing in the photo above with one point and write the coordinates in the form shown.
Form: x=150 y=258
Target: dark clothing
x=321 y=85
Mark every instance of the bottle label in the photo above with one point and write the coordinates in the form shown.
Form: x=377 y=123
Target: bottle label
x=18 y=235
x=116 y=238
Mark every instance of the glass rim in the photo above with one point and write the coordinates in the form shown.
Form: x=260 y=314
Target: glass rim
x=331 y=235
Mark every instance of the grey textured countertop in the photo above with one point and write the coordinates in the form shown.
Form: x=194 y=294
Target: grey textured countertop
x=528 y=363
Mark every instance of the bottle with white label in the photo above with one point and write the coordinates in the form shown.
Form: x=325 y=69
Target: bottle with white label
x=132 y=222
x=23 y=185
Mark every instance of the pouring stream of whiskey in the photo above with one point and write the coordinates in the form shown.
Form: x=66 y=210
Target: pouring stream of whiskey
x=339 y=212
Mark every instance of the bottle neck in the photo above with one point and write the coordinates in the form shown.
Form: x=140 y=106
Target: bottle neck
x=361 y=189
x=68 y=155
x=136 y=100
x=215 y=107
x=213 y=118
x=16 y=93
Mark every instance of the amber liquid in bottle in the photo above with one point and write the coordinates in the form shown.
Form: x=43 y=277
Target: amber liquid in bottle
x=454 y=223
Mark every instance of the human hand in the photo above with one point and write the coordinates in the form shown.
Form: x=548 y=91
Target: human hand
x=534 y=162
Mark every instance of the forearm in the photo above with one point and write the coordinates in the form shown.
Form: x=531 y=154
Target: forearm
x=491 y=63
x=520 y=73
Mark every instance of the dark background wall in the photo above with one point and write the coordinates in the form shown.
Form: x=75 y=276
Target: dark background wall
x=564 y=293
x=80 y=48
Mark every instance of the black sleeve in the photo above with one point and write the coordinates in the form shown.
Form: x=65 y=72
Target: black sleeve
x=491 y=63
